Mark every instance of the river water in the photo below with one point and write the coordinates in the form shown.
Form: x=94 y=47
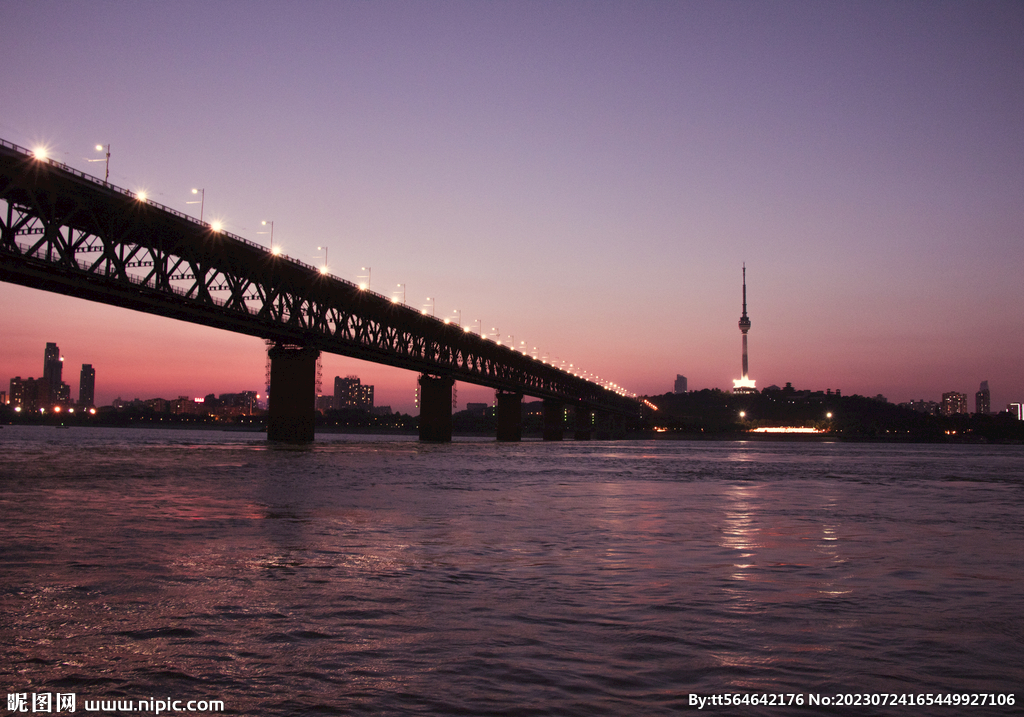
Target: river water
x=367 y=575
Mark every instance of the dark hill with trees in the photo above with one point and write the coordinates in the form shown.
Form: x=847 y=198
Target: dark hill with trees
x=716 y=413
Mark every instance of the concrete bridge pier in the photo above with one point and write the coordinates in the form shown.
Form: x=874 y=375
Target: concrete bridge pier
x=292 y=402
x=436 y=408
x=510 y=416
x=584 y=424
x=554 y=419
x=610 y=427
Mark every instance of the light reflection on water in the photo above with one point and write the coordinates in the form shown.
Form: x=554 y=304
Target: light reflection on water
x=386 y=576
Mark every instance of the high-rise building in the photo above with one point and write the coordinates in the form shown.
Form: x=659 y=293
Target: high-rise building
x=953 y=403
x=1017 y=409
x=680 y=385
x=87 y=386
x=744 y=384
x=983 y=399
x=350 y=393
x=53 y=368
x=24 y=395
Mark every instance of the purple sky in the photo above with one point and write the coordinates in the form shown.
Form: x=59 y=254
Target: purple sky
x=586 y=177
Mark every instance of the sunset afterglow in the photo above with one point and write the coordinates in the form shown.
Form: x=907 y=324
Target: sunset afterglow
x=591 y=177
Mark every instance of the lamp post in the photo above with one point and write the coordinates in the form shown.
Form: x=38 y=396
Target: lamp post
x=271 y=223
x=402 y=287
x=99 y=148
x=369 y=277
x=432 y=301
x=323 y=269
x=201 y=202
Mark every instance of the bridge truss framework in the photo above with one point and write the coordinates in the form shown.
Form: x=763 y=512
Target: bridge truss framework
x=67 y=232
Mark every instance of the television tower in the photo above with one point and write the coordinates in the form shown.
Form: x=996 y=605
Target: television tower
x=744 y=384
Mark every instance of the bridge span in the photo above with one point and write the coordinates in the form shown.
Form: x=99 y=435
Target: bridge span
x=64 y=231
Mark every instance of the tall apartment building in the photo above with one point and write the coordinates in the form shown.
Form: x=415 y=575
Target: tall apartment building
x=24 y=393
x=87 y=386
x=53 y=369
x=983 y=399
x=349 y=392
x=953 y=403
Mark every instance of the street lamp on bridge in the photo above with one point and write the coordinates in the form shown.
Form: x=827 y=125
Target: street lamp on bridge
x=99 y=148
x=369 y=274
x=323 y=269
x=273 y=251
x=201 y=202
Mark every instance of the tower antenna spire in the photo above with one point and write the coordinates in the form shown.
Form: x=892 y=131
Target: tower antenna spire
x=744 y=288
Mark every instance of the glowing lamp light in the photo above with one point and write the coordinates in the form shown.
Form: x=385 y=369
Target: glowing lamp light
x=276 y=251
x=92 y=411
x=323 y=269
x=141 y=196
x=41 y=153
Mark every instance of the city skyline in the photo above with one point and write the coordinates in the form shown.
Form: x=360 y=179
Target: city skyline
x=351 y=392
x=584 y=178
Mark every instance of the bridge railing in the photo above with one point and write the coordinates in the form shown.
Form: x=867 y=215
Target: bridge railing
x=29 y=154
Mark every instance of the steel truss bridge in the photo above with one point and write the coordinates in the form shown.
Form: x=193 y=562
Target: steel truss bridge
x=70 y=233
